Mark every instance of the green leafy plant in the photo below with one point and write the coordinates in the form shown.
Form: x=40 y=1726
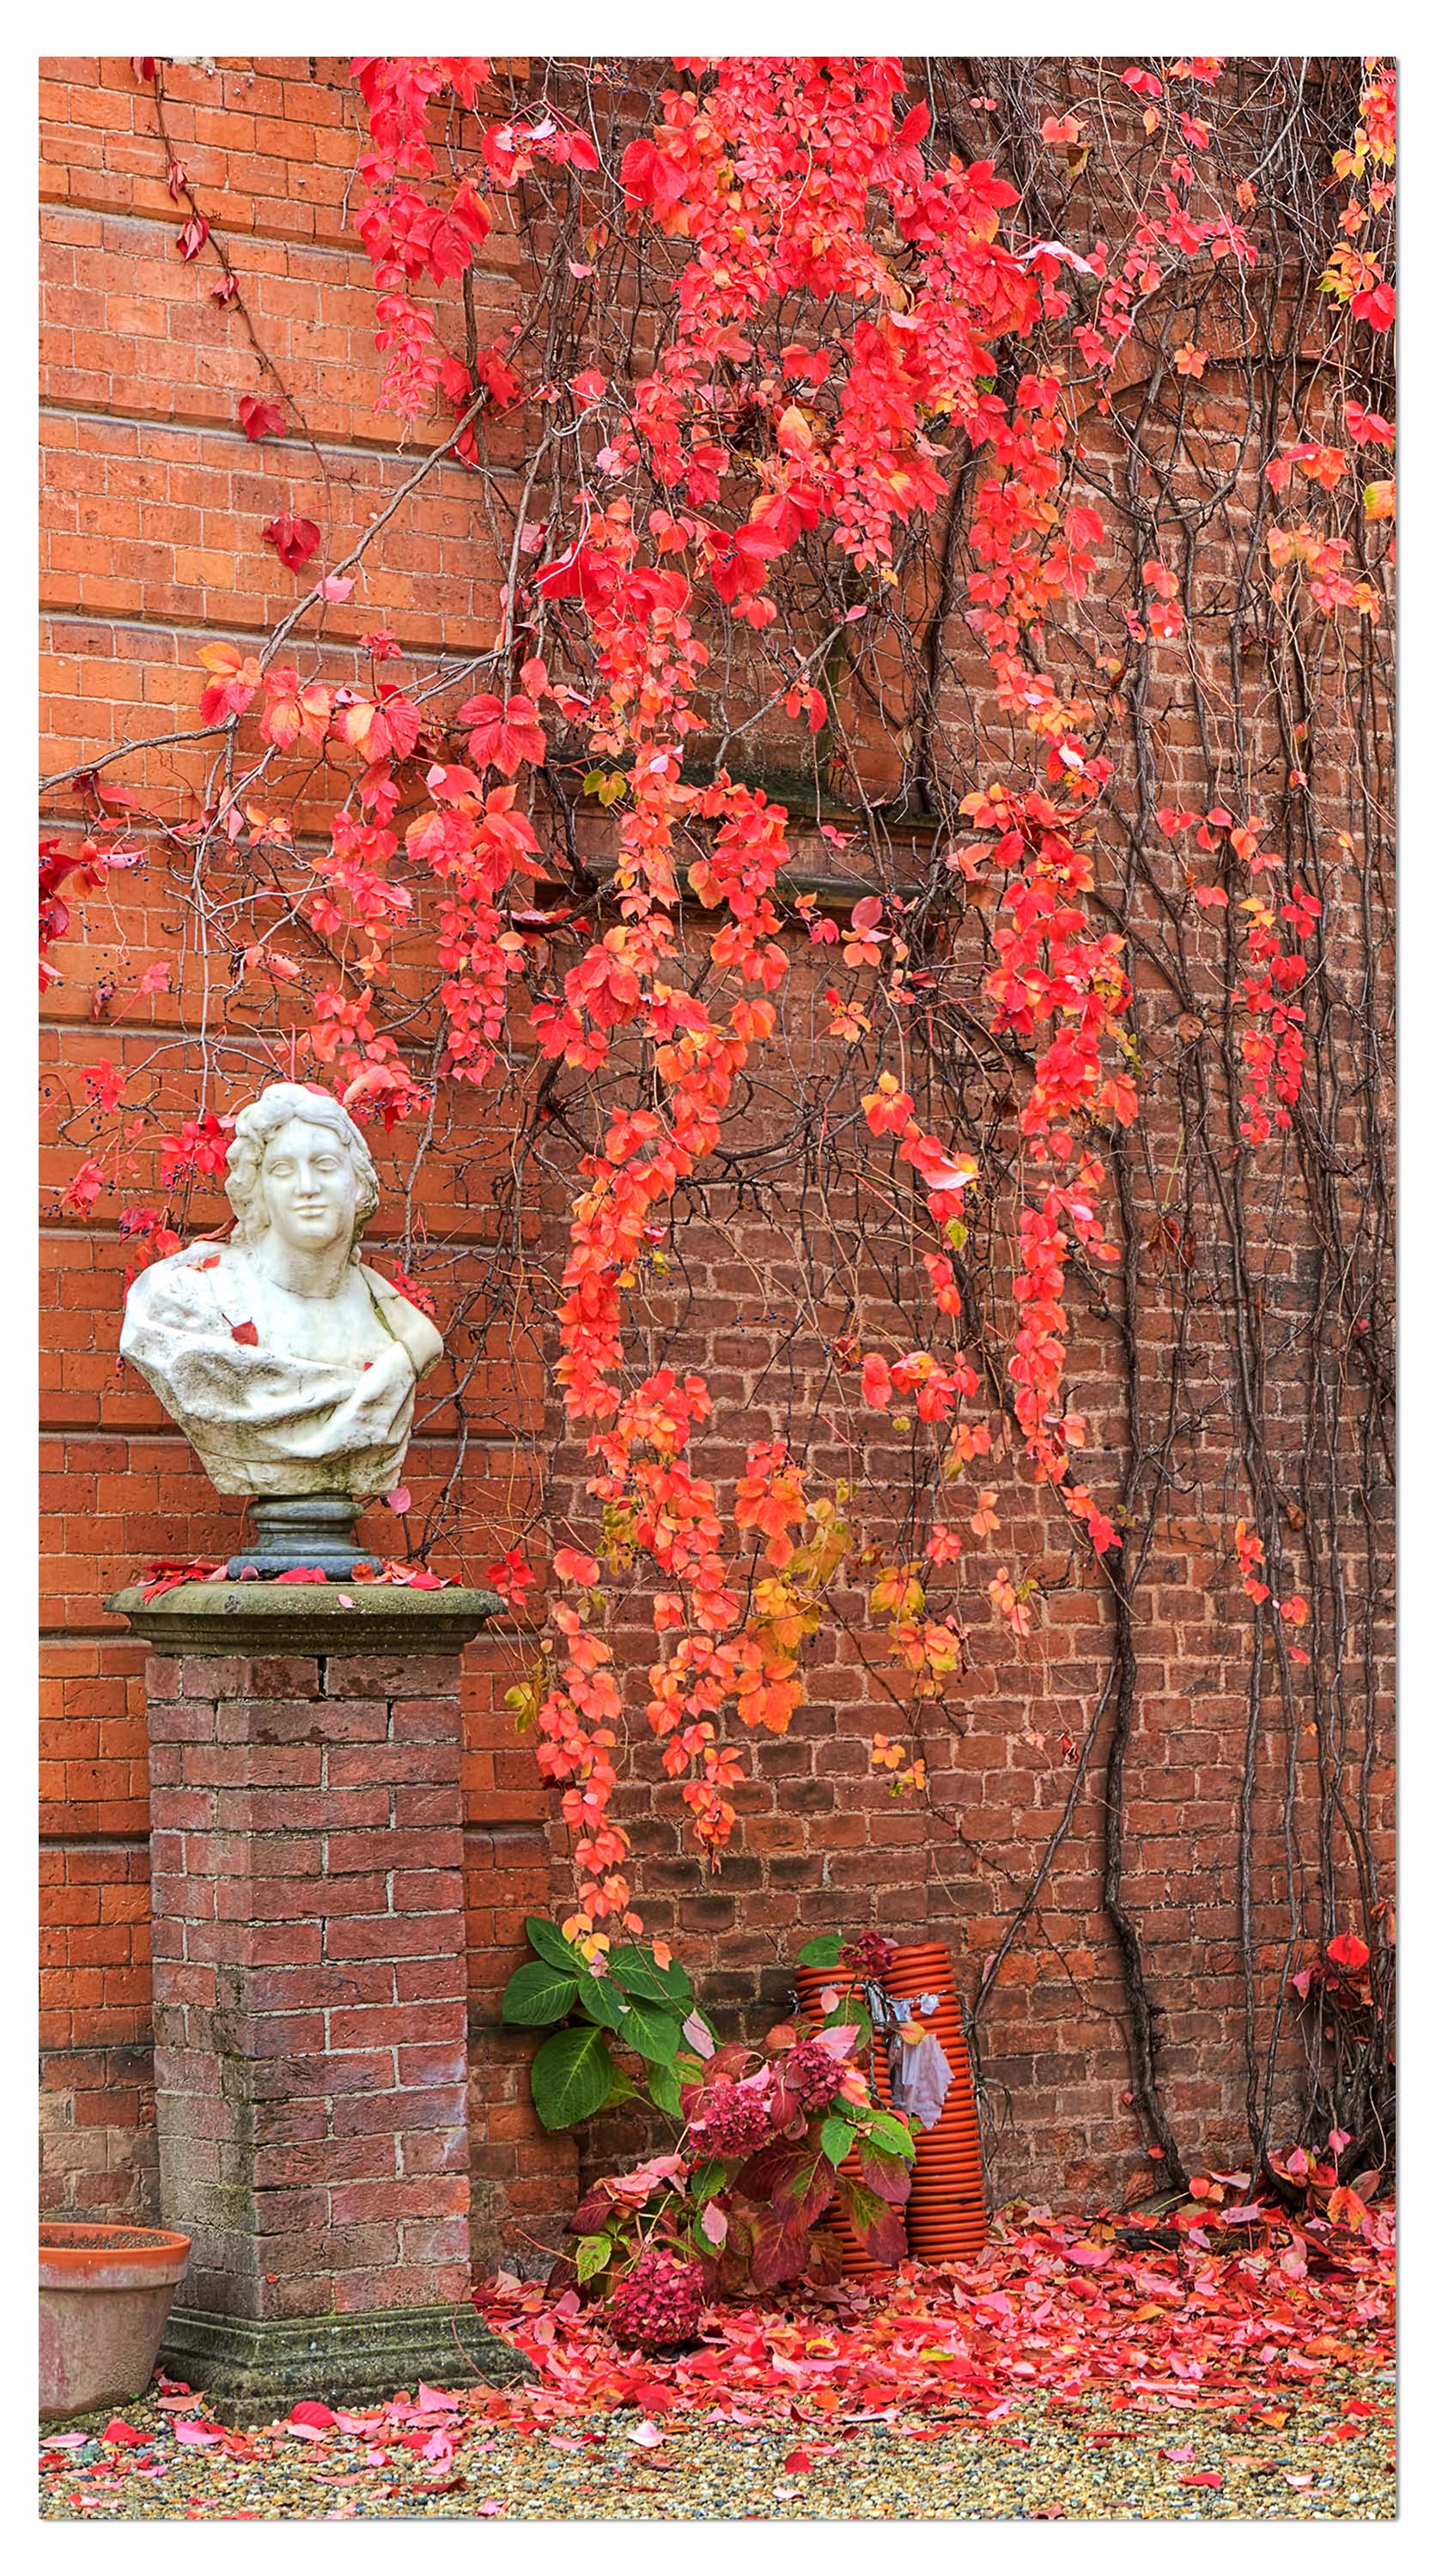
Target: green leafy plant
x=636 y=2007
x=773 y=2140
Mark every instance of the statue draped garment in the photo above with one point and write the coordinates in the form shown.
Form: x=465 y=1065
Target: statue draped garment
x=278 y=1393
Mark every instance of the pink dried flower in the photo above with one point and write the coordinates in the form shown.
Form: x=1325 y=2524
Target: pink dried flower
x=658 y=2302
x=734 y=2118
x=810 y=2075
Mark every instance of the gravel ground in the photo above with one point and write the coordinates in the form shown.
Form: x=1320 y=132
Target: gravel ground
x=1328 y=2458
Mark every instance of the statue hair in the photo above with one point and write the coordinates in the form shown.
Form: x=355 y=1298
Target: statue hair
x=262 y=1119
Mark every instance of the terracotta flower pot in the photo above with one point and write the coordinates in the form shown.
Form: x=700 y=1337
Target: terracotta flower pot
x=105 y=2293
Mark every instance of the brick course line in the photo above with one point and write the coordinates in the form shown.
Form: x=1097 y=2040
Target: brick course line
x=337 y=246
x=211 y=425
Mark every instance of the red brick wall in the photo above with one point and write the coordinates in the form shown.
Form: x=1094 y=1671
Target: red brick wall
x=153 y=505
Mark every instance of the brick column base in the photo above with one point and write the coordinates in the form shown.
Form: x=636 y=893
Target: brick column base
x=311 y=2063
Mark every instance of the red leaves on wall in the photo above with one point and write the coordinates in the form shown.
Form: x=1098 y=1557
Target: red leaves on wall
x=839 y=445
x=294 y=540
x=505 y=732
x=260 y=418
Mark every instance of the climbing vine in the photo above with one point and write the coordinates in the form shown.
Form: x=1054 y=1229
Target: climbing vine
x=925 y=808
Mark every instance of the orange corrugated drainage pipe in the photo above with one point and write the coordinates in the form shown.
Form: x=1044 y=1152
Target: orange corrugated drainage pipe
x=947 y=2208
x=812 y=1982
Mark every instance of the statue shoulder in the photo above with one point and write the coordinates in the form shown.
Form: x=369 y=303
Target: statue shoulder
x=187 y=1286
x=407 y=1321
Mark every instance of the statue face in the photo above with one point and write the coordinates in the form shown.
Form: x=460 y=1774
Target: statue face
x=309 y=1187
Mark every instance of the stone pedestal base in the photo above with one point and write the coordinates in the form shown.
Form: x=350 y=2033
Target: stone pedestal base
x=252 y=2370
x=309 y=1530
x=310 y=1987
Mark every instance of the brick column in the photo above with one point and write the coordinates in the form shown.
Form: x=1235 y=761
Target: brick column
x=311 y=2064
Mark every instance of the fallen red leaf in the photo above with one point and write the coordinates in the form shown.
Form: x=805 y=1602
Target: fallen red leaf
x=1185 y=2321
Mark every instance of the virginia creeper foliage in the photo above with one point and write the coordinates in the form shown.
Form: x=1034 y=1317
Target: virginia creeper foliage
x=884 y=406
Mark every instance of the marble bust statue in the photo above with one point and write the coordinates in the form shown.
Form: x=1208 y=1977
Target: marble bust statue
x=289 y=1366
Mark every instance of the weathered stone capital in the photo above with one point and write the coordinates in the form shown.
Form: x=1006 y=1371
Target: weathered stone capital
x=306 y=1618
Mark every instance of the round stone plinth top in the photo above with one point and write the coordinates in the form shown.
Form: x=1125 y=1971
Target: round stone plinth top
x=306 y=1618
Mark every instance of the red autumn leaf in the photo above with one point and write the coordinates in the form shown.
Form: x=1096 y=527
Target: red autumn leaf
x=505 y=733
x=449 y=784
x=1347 y=1951
x=877 y=2225
x=780 y=2252
x=413 y=1290
x=399 y=1500
x=572 y=1566
x=309 y=2410
x=1376 y=305
x=877 y=1380
x=82 y=1191
x=889 y=2176
x=244 y=1333
x=294 y=540
x=191 y=238
x=166 y=1575
x=796 y=2463
x=493 y=370
x=259 y=418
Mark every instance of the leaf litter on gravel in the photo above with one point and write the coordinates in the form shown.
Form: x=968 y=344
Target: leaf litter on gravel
x=1065 y=2373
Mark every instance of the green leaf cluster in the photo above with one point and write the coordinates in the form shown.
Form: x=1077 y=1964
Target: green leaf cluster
x=636 y=2006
